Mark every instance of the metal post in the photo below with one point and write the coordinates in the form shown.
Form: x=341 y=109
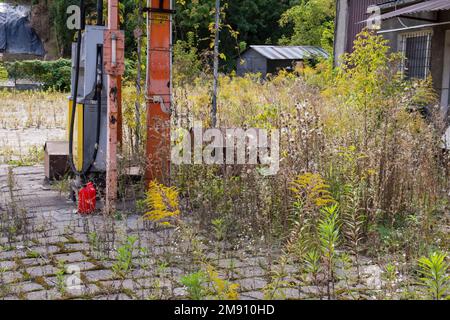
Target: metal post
x=216 y=65
x=159 y=90
x=114 y=67
x=99 y=12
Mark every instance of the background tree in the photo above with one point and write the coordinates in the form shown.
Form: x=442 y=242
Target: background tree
x=312 y=22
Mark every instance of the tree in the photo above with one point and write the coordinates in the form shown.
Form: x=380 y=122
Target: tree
x=312 y=23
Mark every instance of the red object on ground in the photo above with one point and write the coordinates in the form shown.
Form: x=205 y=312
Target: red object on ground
x=86 y=199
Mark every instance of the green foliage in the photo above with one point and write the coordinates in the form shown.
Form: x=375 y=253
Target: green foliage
x=313 y=23
x=434 y=275
x=124 y=264
x=52 y=74
x=195 y=284
x=34 y=156
x=58 y=19
x=243 y=22
x=3 y=72
x=186 y=65
x=369 y=74
x=221 y=289
x=329 y=231
x=219 y=227
x=253 y=21
x=329 y=237
x=60 y=277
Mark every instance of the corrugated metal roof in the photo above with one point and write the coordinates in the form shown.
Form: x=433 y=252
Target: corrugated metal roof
x=289 y=52
x=431 y=5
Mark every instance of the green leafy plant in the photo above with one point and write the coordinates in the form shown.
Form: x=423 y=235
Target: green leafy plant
x=219 y=233
x=60 y=277
x=124 y=260
x=312 y=265
x=434 y=275
x=195 y=284
x=329 y=236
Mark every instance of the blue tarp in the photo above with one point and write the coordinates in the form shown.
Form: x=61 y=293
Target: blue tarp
x=16 y=34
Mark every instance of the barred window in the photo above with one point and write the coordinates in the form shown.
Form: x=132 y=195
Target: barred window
x=416 y=49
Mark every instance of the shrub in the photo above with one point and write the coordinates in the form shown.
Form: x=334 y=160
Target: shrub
x=3 y=72
x=52 y=74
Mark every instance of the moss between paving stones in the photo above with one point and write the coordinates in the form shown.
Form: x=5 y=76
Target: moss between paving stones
x=41 y=281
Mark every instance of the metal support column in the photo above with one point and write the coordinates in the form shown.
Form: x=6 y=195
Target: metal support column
x=159 y=90
x=114 y=68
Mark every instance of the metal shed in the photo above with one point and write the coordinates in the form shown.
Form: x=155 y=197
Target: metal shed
x=271 y=59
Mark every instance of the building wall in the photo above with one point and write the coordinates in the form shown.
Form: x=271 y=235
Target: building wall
x=437 y=43
x=251 y=62
x=350 y=12
x=356 y=14
x=340 y=33
x=349 y=15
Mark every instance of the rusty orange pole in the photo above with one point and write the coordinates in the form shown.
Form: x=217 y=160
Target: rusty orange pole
x=119 y=99
x=114 y=67
x=159 y=90
x=119 y=113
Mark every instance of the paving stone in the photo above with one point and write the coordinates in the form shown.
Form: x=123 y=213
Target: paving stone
x=10 y=277
x=120 y=296
x=29 y=262
x=84 y=290
x=312 y=290
x=251 y=272
x=80 y=237
x=253 y=295
x=27 y=287
x=9 y=255
x=71 y=257
x=228 y=263
x=7 y=265
x=10 y=297
x=44 y=295
x=99 y=275
x=256 y=261
x=76 y=246
x=293 y=294
x=53 y=240
x=152 y=282
x=180 y=292
x=372 y=274
x=152 y=294
x=139 y=273
x=43 y=250
x=41 y=271
x=119 y=284
x=174 y=271
x=252 y=283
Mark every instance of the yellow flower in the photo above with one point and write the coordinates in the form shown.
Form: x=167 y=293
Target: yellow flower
x=162 y=202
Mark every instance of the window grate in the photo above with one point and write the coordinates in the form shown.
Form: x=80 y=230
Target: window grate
x=416 y=49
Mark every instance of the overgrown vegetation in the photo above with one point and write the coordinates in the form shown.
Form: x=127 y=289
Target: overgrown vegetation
x=51 y=74
x=362 y=177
